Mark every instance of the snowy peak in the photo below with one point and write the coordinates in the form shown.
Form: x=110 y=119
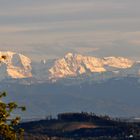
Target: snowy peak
x=118 y=62
x=75 y=64
x=18 y=66
x=14 y=65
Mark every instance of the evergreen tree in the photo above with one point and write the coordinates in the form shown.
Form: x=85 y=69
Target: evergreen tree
x=8 y=131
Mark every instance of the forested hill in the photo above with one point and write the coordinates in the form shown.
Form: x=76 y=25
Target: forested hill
x=81 y=126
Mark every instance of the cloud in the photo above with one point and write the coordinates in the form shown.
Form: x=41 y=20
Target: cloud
x=56 y=7
x=55 y=27
x=134 y=42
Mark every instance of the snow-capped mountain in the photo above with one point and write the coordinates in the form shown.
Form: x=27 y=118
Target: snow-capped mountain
x=107 y=85
x=14 y=65
x=75 y=64
x=18 y=66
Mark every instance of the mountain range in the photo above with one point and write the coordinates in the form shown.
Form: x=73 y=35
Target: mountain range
x=73 y=83
x=18 y=66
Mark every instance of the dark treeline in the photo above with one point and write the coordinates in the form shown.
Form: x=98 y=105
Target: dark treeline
x=88 y=117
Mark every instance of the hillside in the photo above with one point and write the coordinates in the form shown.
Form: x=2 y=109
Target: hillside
x=81 y=126
x=115 y=97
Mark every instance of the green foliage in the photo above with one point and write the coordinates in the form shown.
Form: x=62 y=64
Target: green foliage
x=7 y=123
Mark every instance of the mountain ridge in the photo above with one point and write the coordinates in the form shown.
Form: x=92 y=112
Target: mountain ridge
x=76 y=64
x=113 y=92
x=17 y=66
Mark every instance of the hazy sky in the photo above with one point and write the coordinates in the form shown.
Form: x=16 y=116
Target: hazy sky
x=51 y=28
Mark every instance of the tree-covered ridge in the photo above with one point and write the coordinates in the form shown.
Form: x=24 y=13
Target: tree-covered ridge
x=81 y=126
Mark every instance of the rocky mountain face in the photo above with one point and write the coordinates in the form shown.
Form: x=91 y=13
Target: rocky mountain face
x=14 y=65
x=75 y=64
x=18 y=66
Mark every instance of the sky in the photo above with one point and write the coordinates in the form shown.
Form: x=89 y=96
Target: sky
x=44 y=29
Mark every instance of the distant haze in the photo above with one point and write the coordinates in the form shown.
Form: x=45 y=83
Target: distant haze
x=44 y=29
